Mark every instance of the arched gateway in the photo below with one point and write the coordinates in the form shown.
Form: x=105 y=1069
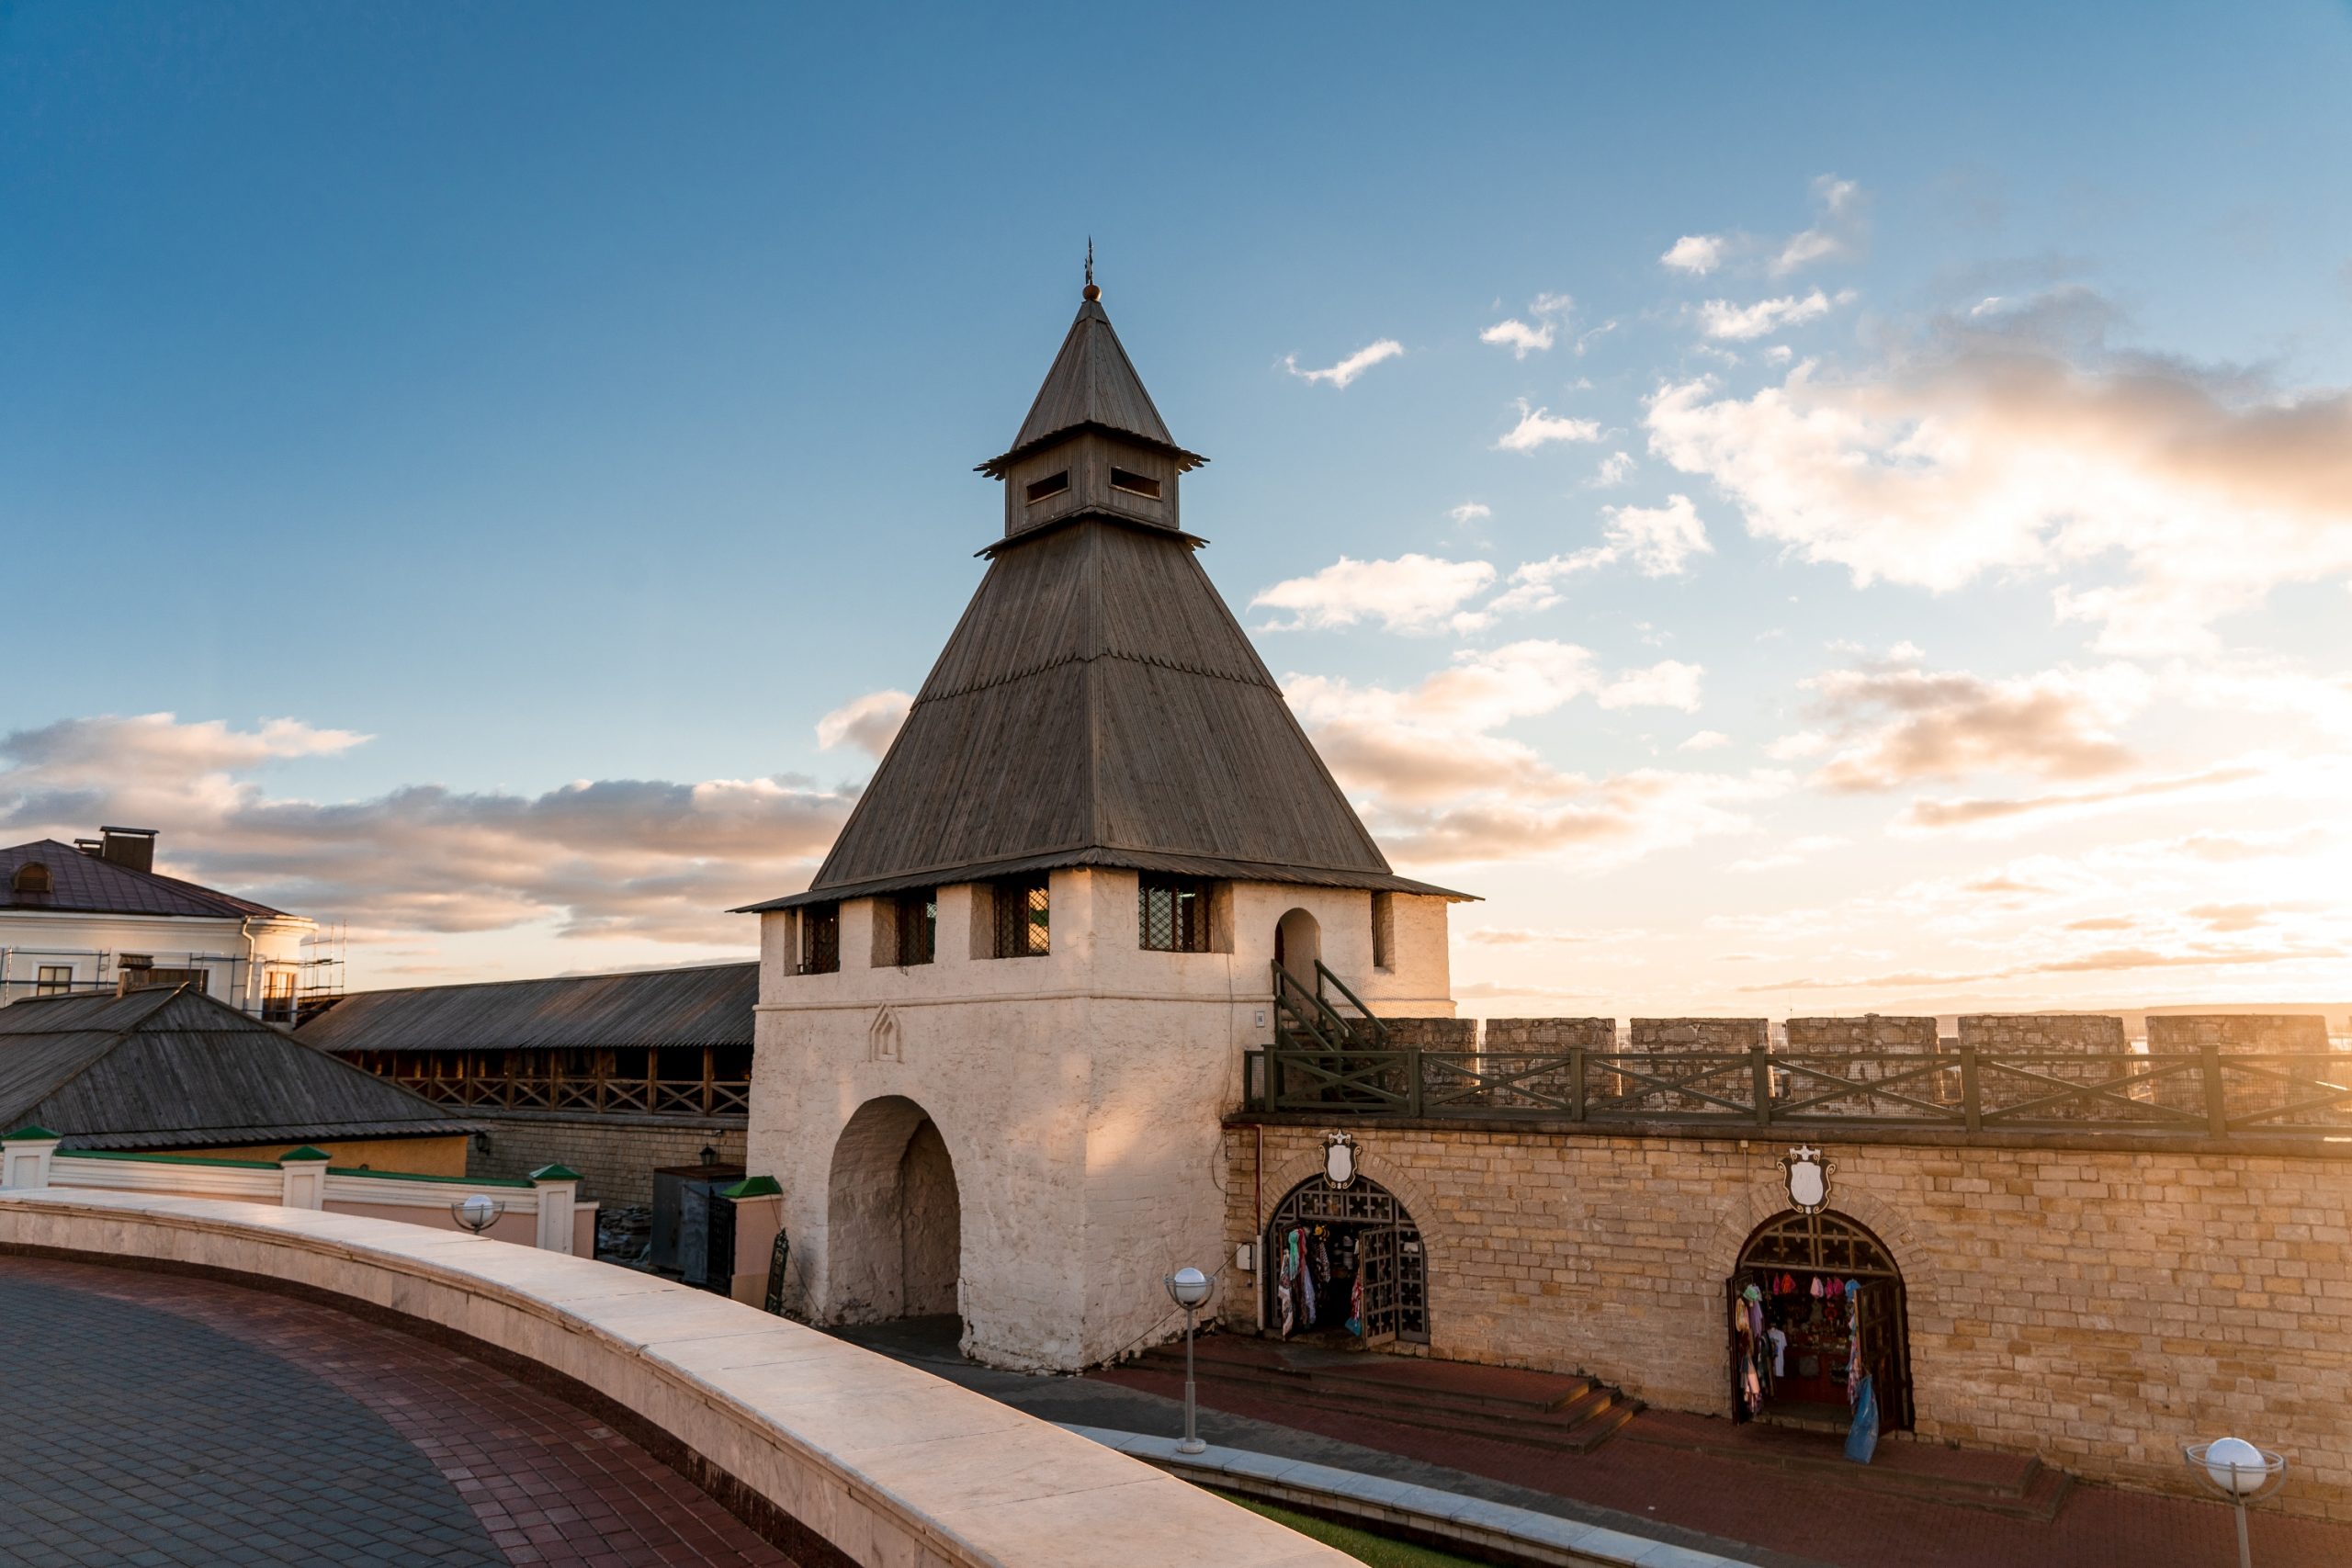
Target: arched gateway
x=894 y=1222
x=1793 y=1275
x=1345 y=1263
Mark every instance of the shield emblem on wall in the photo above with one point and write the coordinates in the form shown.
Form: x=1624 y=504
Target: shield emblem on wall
x=1808 y=1176
x=1339 y=1158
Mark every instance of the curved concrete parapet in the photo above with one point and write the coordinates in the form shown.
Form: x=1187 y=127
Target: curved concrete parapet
x=888 y=1465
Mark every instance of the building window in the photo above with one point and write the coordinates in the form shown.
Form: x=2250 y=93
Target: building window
x=1383 y=931
x=1023 y=917
x=32 y=877
x=1172 y=914
x=139 y=974
x=55 y=980
x=1135 y=484
x=1053 y=484
x=821 y=939
x=914 y=920
x=277 y=996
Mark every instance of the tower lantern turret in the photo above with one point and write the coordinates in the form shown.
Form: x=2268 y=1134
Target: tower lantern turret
x=1093 y=446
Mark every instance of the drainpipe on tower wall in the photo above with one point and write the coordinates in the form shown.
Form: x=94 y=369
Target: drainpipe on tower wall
x=253 y=958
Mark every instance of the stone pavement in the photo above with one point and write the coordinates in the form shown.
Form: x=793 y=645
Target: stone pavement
x=1709 y=1502
x=157 y=1419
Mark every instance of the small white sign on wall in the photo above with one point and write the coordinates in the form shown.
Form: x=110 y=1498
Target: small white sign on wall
x=1808 y=1178
x=1339 y=1158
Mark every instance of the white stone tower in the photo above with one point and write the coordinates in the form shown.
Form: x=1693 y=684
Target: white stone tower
x=997 y=1033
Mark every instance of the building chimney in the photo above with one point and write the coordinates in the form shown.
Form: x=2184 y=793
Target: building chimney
x=133 y=849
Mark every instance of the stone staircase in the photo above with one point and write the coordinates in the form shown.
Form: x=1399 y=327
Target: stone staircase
x=1543 y=1410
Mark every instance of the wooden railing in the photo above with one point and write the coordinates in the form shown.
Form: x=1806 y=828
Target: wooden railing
x=586 y=1092
x=2209 y=1093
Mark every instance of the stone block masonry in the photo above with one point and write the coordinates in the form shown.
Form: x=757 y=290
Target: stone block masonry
x=2097 y=1307
x=2237 y=1032
x=1551 y=1033
x=616 y=1157
x=1432 y=1033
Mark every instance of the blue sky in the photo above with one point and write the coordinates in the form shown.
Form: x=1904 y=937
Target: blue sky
x=590 y=393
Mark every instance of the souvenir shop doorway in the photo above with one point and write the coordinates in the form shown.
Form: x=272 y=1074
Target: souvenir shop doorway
x=1816 y=1302
x=1344 y=1266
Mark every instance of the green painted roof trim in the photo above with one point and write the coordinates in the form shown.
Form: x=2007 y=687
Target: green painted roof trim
x=306 y=1153
x=144 y=1157
x=420 y=1175
x=29 y=1133
x=554 y=1173
x=753 y=1187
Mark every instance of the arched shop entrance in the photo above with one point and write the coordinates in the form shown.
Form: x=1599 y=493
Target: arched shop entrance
x=1344 y=1265
x=1815 y=1302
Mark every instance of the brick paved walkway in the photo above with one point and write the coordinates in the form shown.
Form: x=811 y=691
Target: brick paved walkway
x=1811 y=1518
x=155 y=1419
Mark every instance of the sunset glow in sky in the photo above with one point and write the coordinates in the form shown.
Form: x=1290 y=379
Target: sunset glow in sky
x=1802 y=511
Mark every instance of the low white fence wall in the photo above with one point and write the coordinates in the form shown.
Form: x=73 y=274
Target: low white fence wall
x=884 y=1465
x=544 y=1211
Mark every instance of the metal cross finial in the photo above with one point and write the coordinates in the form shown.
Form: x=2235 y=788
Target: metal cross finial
x=1091 y=292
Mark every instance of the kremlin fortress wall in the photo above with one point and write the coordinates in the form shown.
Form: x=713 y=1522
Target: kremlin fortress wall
x=2088 y=1294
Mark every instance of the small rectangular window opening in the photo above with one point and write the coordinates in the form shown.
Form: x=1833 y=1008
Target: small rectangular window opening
x=1138 y=484
x=821 y=939
x=1053 y=484
x=56 y=979
x=1383 y=931
x=917 y=920
x=1172 y=914
x=1023 y=917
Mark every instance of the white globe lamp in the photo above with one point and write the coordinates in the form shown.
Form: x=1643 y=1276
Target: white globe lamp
x=1189 y=1289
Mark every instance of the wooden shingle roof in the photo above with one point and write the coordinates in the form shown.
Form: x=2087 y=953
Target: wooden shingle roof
x=709 y=1005
x=1099 y=704
x=174 y=1069
x=1092 y=385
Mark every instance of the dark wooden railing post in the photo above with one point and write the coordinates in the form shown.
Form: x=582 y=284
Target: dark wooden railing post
x=2217 y=1099
x=1972 y=1101
x=1413 y=1081
x=1760 y=1075
x=1576 y=1083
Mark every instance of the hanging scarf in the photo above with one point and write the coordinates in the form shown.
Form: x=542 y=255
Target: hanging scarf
x=1355 y=1307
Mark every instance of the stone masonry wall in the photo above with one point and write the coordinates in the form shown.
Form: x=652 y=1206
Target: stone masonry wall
x=615 y=1159
x=2237 y=1032
x=1870 y=1034
x=1873 y=1031
x=1433 y=1034
x=1551 y=1033
x=1661 y=1040
x=2100 y=1308
x=2042 y=1032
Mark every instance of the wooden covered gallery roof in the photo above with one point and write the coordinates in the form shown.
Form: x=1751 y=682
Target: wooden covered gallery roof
x=1099 y=704
x=710 y=1005
x=170 y=1067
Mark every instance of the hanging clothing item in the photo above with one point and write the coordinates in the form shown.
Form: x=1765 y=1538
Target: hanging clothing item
x=1286 y=1282
x=1355 y=1307
x=1780 y=1351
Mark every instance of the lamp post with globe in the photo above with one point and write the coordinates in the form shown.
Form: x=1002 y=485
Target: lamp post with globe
x=476 y=1214
x=1189 y=1288
x=2241 y=1472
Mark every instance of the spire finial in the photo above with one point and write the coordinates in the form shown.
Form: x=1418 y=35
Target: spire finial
x=1091 y=291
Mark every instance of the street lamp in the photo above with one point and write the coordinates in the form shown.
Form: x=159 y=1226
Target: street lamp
x=2241 y=1472
x=477 y=1213
x=1187 y=1288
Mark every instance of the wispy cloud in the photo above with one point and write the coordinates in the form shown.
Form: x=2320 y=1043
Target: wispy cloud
x=1470 y=511
x=1697 y=254
x=1410 y=593
x=1657 y=541
x=1742 y=323
x=1348 y=369
x=868 y=723
x=1541 y=427
x=1522 y=338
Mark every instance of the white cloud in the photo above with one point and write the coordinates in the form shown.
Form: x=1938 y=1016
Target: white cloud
x=1705 y=741
x=1793 y=852
x=1988 y=451
x=1522 y=339
x=1697 y=254
x=1347 y=369
x=1657 y=541
x=1902 y=724
x=1470 y=511
x=1540 y=427
x=605 y=858
x=1670 y=683
x=1742 y=323
x=1614 y=470
x=1411 y=594
x=869 y=723
x=1837 y=233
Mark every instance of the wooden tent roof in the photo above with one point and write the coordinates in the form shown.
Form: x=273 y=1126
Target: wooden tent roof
x=1099 y=704
x=1092 y=385
x=707 y=1005
x=170 y=1067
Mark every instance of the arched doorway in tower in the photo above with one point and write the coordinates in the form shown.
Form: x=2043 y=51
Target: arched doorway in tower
x=1344 y=1265
x=1815 y=1303
x=1298 y=945
x=894 y=1222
